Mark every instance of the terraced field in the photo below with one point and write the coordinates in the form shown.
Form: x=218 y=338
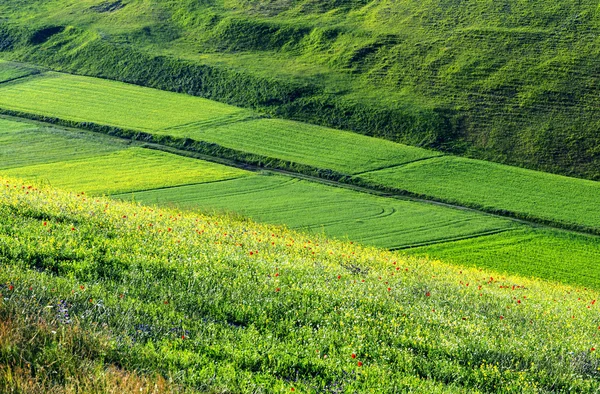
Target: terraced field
x=498 y=187
x=84 y=99
x=303 y=143
x=549 y=254
x=337 y=212
x=482 y=185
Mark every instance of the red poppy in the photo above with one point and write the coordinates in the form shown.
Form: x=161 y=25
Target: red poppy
x=277 y=289
x=359 y=363
x=428 y=294
x=501 y=317
x=353 y=355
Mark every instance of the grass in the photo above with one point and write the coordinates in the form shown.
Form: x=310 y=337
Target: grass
x=303 y=143
x=125 y=171
x=466 y=182
x=499 y=188
x=211 y=303
x=110 y=103
x=336 y=212
x=548 y=254
x=25 y=144
x=10 y=71
x=514 y=84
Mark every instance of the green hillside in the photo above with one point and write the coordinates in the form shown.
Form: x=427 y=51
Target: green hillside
x=99 y=295
x=505 y=81
x=244 y=137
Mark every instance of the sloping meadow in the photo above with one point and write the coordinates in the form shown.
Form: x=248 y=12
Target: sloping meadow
x=212 y=303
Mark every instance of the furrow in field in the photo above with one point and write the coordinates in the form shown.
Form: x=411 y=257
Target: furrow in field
x=495 y=187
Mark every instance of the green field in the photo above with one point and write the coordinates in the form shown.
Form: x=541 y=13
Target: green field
x=336 y=212
x=25 y=144
x=498 y=187
x=303 y=143
x=10 y=71
x=514 y=82
x=543 y=253
x=97 y=291
x=125 y=171
x=83 y=99
x=466 y=182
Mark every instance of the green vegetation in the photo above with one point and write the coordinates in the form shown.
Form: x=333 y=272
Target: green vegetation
x=549 y=254
x=336 y=212
x=499 y=188
x=213 y=129
x=125 y=171
x=302 y=143
x=214 y=304
x=510 y=82
x=111 y=103
x=25 y=144
x=10 y=71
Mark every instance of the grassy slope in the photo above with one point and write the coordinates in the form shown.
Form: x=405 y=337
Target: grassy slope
x=10 y=71
x=336 y=212
x=321 y=209
x=523 y=193
x=112 y=103
x=498 y=187
x=510 y=82
x=221 y=305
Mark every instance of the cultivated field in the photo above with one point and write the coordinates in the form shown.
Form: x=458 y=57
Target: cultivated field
x=530 y=194
x=543 y=253
x=489 y=186
x=303 y=143
x=125 y=171
x=25 y=144
x=83 y=99
x=211 y=303
x=336 y=212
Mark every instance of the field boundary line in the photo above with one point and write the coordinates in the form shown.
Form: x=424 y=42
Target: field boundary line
x=208 y=124
x=245 y=160
x=398 y=165
x=174 y=186
x=454 y=239
x=13 y=81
